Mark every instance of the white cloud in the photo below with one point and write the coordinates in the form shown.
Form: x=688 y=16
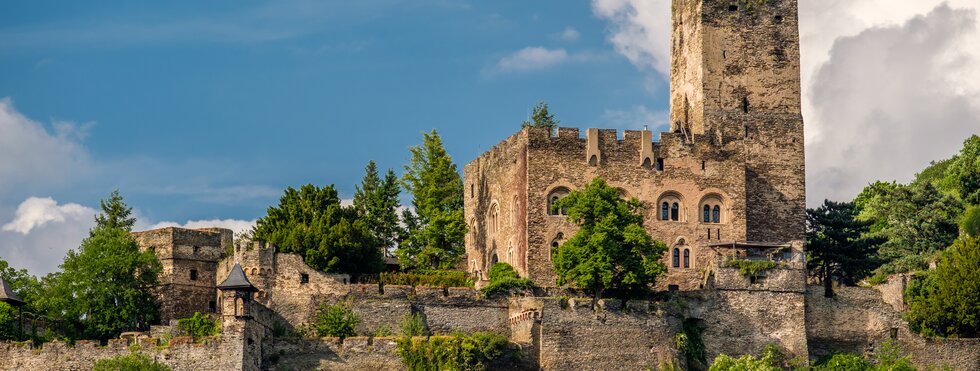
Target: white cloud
x=31 y=155
x=35 y=212
x=42 y=232
x=531 y=58
x=640 y=30
x=886 y=87
x=569 y=34
x=635 y=118
x=232 y=224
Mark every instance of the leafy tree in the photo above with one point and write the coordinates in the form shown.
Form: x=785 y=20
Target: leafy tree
x=970 y=224
x=540 y=117
x=836 y=243
x=131 y=362
x=963 y=173
x=611 y=249
x=435 y=230
x=198 y=326
x=337 y=320
x=27 y=288
x=115 y=213
x=377 y=202
x=946 y=302
x=104 y=286
x=312 y=223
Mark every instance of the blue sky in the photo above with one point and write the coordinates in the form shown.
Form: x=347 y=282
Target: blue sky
x=202 y=112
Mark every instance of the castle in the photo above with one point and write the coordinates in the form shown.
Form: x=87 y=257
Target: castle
x=726 y=181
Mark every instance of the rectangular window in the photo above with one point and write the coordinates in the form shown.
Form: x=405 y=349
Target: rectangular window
x=304 y=278
x=660 y=164
x=673 y=288
x=212 y=306
x=193 y=274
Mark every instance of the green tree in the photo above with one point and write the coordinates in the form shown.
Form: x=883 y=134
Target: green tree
x=540 y=117
x=376 y=200
x=198 y=326
x=963 y=173
x=337 y=320
x=27 y=288
x=946 y=302
x=836 y=244
x=312 y=223
x=130 y=362
x=104 y=286
x=611 y=249
x=970 y=223
x=115 y=213
x=435 y=230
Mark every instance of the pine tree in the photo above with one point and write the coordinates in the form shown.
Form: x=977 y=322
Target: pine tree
x=435 y=229
x=115 y=213
x=540 y=117
x=377 y=203
x=836 y=244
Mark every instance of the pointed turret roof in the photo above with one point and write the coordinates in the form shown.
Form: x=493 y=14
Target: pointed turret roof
x=8 y=296
x=237 y=281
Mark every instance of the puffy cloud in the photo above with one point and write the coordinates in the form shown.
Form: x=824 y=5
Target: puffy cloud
x=35 y=212
x=531 y=58
x=42 y=231
x=31 y=155
x=640 y=30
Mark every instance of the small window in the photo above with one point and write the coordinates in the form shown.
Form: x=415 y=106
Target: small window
x=660 y=164
x=665 y=211
x=745 y=104
x=718 y=234
x=716 y=214
x=778 y=19
x=675 y=212
x=707 y=217
x=197 y=249
x=733 y=8
x=673 y=288
x=304 y=278
x=594 y=160
x=193 y=274
x=212 y=306
x=687 y=258
x=471 y=191
x=676 y=263
x=704 y=165
x=709 y=234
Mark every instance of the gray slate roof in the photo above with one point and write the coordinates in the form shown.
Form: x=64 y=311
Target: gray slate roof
x=236 y=280
x=8 y=296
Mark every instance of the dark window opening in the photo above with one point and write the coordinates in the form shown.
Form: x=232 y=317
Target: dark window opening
x=675 y=212
x=778 y=19
x=673 y=288
x=733 y=8
x=551 y=206
x=894 y=333
x=704 y=165
x=687 y=258
x=212 y=306
x=594 y=160
x=707 y=217
x=718 y=234
x=716 y=214
x=471 y=191
x=494 y=259
x=197 y=249
x=745 y=104
x=647 y=163
x=660 y=164
x=746 y=130
x=193 y=274
x=665 y=211
x=709 y=234
x=676 y=262
x=304 y=278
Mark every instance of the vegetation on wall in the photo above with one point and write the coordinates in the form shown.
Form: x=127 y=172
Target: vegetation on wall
x=311 y=222
x=337 y=320
x=504 y=279
x=413 y=324
x=434 y=226
x=130 y=362
x=690 y=344
x=540 y=117
x=751 y=268
x=198 y=326
x=611 y=248
x=428 y=277
x=456 y=352
x=837 y=245
x=946 y=302
x=771 y=359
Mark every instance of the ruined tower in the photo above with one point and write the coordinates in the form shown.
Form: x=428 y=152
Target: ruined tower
x=735 y=75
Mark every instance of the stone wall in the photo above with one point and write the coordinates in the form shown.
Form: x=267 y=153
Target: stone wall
x=181 y=354
x=857 y=319
x=354 y=353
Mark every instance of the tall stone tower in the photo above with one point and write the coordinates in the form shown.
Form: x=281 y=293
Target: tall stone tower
x=735 y=76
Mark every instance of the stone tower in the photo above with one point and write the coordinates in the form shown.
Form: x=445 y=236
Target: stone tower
x=735 y=75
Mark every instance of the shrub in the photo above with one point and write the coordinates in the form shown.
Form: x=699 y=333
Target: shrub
x=132 y=362
x=970 y=224
x=457 y=352
x=504 y=279
x=500 y=271
x=690 y=344
x=744 y=363
x=945 y=302
x=198 y=326
x=431 y=278
x=382 y=331
x=842 y=362
x=414 y=325
x=751 y=268
x=336 y=320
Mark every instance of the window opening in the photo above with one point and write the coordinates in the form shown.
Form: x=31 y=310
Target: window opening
x=304 y=278
x=709 y=234
x=704 y=165
x=673 y=288
x=687 y=258
x=660 y=164
x=716 y=214
x=707 y=216
x=193 y=274
x=733 y=8
x=745 y=104
x=675 y=212
x=677 y=258
x=665 y=211
x=779 y=19
x=212 y=306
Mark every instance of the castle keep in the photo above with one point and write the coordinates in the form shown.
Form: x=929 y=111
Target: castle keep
x=728 y=179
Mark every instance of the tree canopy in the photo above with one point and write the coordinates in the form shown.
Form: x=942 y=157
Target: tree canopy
x=115 y=213
x=376 y=200
x=837 y=245
x=311 y=222
x=611 y=248
x=946 y=302
x=435 y=229
x=963 y=173
x=540 y=117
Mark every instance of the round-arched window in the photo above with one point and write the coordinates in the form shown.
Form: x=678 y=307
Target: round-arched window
x=711 y=209
x=670 y=207
x=553 y=197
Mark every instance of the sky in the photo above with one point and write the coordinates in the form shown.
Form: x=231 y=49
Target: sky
x=202 y=113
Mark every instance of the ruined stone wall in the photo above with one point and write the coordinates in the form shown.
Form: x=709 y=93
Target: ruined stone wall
x=354 y=353
x=740 y=322
x=189 y=259
x=180 y=354
x=856 y=318
x=693 y=173
x=496 y=184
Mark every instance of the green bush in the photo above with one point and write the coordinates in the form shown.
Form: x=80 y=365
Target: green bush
x=198 y=326
x=132 y=362
x=500 y=271
x=504 y=279
x=430 y=278
x=690 y=344
x=751 y=268
x=842 y=362
x=945 y=302
x=336 y=320
x=744 y=363
x=457 y=352
x=414 y=325
x=970 y=223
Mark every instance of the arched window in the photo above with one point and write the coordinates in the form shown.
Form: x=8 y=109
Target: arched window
x=711 y=204
x=494 y=259
x=707 y=213
x=553 y=197
x=677 y=258
x=716 y=214
x=687 y=258
x=675 y=212
x=670 y=206
x=493 y=218
x=665 y=211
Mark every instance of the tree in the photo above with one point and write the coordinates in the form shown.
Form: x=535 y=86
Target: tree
x=337 y=320
x=104 y=287
x=377 y=202
x=914 y=220
x=312 y=223
x=963 y=173
x=435 y=230
x=540 y=117
x=946 y=302
x=115 y=213
x=836 y=244
x=27 y=288
x=611 y=249
x=970 y=224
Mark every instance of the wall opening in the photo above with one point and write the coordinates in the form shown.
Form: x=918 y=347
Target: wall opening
x=745 y=104
x=676 y=260
x=687 y=258
x=193 y=274
x=594 y=160
x=304 y=278
x=660 y=164
x=733 y=8
x=212 y=306
x=778 y=19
